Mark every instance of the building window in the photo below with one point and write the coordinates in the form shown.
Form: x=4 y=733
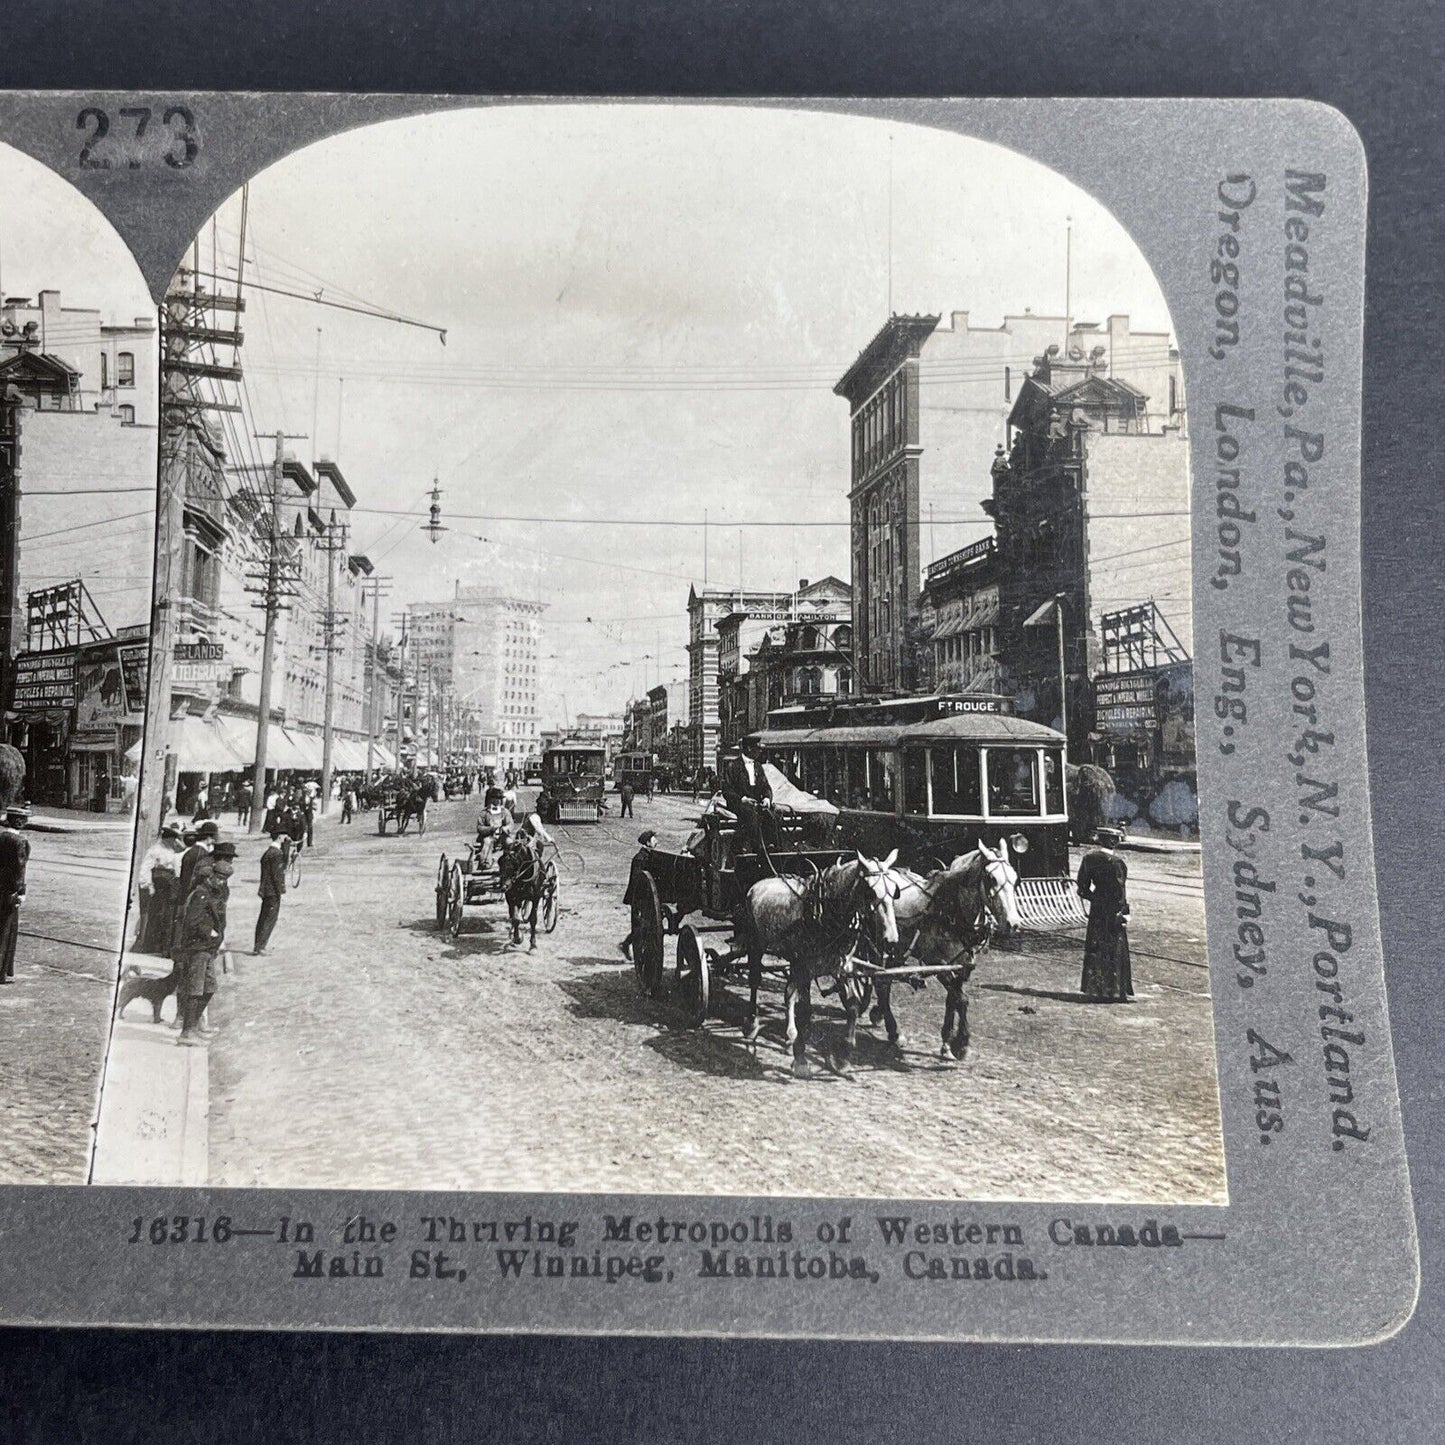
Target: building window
x=104 y=371
x=125 y=369
x=127 y=416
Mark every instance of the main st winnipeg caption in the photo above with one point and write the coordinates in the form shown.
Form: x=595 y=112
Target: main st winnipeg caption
x=643 y=1248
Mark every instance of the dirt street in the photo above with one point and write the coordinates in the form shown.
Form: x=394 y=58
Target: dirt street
x=55 y=1018
x=370 y=1050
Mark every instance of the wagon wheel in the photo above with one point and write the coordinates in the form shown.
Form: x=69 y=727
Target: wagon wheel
x=647 y=935
x=456 y=895
x=442 y=871
x=694 y=976
x=551 y=903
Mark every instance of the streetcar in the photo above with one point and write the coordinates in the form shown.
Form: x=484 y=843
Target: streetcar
x=572 y=783
x=935 y=777
x=636 y=769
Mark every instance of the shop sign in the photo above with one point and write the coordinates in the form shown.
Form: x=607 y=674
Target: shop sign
x=199 y=651
x=133 y=669
x=43 y=680
x=1126 y=704
x=201 y=672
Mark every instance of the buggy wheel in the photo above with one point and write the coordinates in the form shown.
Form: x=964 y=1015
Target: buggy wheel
x=456 y=895
x=647 y=935
x=443 y=869
x=551 y=903
x=694 y=976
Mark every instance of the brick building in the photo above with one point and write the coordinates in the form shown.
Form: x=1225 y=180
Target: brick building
x=928 y=404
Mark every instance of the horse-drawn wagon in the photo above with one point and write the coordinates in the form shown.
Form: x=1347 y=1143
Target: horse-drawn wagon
x=804 y=912
x=402 y=800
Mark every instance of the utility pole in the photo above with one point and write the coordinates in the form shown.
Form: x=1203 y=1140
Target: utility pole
x=335 y=544
x=271 y=606
x=11 y=410
x=373 y=721
x=401 y=688
x=1063 y=676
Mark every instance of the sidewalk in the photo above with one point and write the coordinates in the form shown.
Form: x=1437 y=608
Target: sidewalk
x=155 y=1104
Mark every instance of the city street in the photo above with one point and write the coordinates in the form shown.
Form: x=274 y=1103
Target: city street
x=55 y=1018
x=370 y=1050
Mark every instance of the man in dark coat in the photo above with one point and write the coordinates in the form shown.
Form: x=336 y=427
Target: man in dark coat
x=273 y=886
x=1103 y=885
x=640 y=861
x=202 y=936
x=14 y=856
x=749 y=795
x=626 y=792
x=207 y=832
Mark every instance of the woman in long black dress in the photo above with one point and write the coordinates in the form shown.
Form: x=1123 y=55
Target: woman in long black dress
x=1103 y=885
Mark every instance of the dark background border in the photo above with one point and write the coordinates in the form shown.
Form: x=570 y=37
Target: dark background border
x=1382 y=66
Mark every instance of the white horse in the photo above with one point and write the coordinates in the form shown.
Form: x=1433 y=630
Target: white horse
x=948 y=917
x=815 y=923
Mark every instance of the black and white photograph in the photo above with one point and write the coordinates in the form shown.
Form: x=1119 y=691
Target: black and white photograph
x=672 y=672
x=78 y=388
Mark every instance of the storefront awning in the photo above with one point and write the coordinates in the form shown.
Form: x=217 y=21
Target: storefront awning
x=307 y=747
x=203 y=746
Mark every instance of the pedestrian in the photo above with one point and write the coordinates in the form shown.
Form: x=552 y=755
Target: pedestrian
x=203 y=801
x=1103 y=885
x=244 y=797
x=640 y=862
x=626 y=793
x=273 y=886
x=165 y=880
x=163 y=854
x=348 y=800
x=203 y=935
x=14 y=856
x=207 y=834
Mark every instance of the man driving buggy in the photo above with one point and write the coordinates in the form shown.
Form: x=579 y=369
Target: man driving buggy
x=494 y=822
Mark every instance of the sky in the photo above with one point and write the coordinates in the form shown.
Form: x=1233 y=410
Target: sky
x=646 y=309
x=53 y=239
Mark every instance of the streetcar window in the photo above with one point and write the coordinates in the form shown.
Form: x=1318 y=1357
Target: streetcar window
x=1054 y=781
x=1013 y=782
x=915 y=782
x=882 y=781
x=813 y=771
x=857 y=777
x=956 y=774
x=835 y=777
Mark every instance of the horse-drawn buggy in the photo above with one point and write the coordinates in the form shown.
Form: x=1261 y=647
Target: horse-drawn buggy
x=573 y=780
x=509 y=868
x=401 y=799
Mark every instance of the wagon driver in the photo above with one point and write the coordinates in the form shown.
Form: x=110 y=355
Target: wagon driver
x=749 y=795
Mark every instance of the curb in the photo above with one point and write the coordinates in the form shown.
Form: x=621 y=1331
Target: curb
x=154 y=1124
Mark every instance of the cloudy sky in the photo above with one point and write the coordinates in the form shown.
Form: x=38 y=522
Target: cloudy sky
x=646 y=309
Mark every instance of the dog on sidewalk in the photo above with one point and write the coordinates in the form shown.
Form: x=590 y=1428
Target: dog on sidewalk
x=154 y=989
